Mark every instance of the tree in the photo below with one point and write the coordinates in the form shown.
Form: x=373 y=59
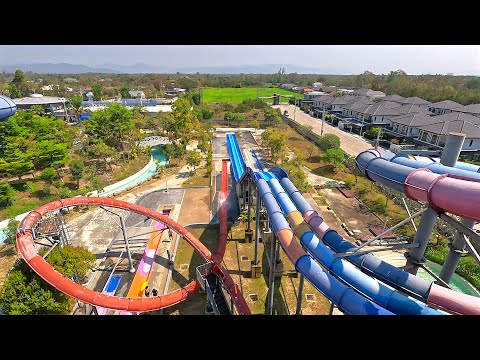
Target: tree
x=6 y=194
x=114 y=125
x=203 y=113
x=372 y=133
x=193 y=159
x=229 y=116
x=96 y=183
x=239 y=118
x=48 y=174
x=124 y=92
x=276 y=141
x=37 y=109
x=18 y=78
x=185 y=123
x=14 y=92
x=76 y=102
x=19 y=85
x=11 y=231
x=255 y=124
x=310 y=148
x=97 y=91
x=334 y=156
x=196 y=98
x=52 y=154
x=329 y=141
x=25 y=293
x=76 y=168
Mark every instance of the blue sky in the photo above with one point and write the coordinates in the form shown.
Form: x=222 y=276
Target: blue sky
x=340 y=59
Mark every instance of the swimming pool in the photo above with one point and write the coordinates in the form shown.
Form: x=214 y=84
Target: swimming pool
x=457 y=283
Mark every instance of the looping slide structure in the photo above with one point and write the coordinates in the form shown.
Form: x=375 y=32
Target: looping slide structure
x=25 y=244
x=361 y=279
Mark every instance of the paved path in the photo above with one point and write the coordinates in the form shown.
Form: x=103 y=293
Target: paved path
x=352 y=144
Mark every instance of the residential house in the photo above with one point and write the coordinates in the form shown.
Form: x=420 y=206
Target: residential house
x=322 y=102
x=345 y=91
x=376 y=114
x=415 y=100
x=316 y=86
x=443 y=107
x=409 y=109
x=472 y=109
x=310 y=96
x=287 y=86
x=394 y=98
x=339 y=102
x=407 y=126
x=372 y=94
x=435 y=135
x=137 y=94
x=328 y=89
x=307 y=90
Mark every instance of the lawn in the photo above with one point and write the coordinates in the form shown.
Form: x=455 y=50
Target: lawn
x=237 y=95
x=201 y=178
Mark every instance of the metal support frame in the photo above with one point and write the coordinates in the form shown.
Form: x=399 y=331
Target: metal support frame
x=473 y=237
x=401 y=223
x=125 y=237
x=452 y=149
x=435 y=276
x=332 y=307
x=271 y=275
x=409 y=214
x=249 y=213
x=376 y=249
x=278 y=260
x=457 y=249
x=48 y=251
x=257 y=228
x=298 y=311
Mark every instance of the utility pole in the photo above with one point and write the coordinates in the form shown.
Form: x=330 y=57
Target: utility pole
x=323 y=119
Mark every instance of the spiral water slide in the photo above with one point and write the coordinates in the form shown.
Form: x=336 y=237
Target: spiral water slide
x=25 y=244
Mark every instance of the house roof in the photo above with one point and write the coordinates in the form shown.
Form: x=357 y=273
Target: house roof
x=394 y=97
x=327 y=99
x=328 y=89
x=415 y=100
x=454 y=116
x=135 y=92
x=361 y=91
x=472 y=130
x=341 y=100
x=446 y=104
x=414 y=119
x=389 y=104
x=408 y=108
x=471 y=108
x=377 y=110
x=358 y=104
x=39 y=100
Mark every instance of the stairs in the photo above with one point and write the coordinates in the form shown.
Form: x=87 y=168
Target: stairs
x=218 y=297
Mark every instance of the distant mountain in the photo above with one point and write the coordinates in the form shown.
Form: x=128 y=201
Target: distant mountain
x=48 y=68
x=65 y=68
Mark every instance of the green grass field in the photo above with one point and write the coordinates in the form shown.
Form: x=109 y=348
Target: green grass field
x=237 y=95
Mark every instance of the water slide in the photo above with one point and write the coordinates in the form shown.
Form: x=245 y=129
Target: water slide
x=452 y=190
x=7 y=108
x=26 y=247
x=346 y=298
x=145 y=266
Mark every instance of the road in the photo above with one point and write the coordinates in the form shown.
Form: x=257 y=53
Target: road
x=352 y=144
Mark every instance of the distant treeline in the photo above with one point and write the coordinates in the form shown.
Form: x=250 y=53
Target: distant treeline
x=462 y=89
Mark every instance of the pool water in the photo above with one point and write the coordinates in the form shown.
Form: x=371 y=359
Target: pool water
x=157 y=155
x=457 y=283
x=2 y=236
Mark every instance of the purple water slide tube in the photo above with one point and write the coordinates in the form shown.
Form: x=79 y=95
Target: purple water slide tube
x=380 y=293
x=444 y=192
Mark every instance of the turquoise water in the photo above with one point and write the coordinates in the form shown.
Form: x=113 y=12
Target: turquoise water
x=457 y=283
x=157 y=155
x=2 y=236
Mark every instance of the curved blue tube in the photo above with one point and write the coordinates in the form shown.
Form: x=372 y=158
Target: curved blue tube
x=7 y=107
x=347 y=299
x=380 y=269
x=378 y=292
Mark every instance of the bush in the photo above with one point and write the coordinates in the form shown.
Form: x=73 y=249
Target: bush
x=48 y=174
x=7 y=194
x=329 y=141
x=242 y=108
x=11 y=231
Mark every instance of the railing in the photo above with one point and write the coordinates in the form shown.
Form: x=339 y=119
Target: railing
x=202 y=271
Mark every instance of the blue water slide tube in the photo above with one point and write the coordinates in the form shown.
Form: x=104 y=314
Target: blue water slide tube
x=257 y=161
x=347 y=299
x=380 y=293
x=7 y=107
x=369 y=263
